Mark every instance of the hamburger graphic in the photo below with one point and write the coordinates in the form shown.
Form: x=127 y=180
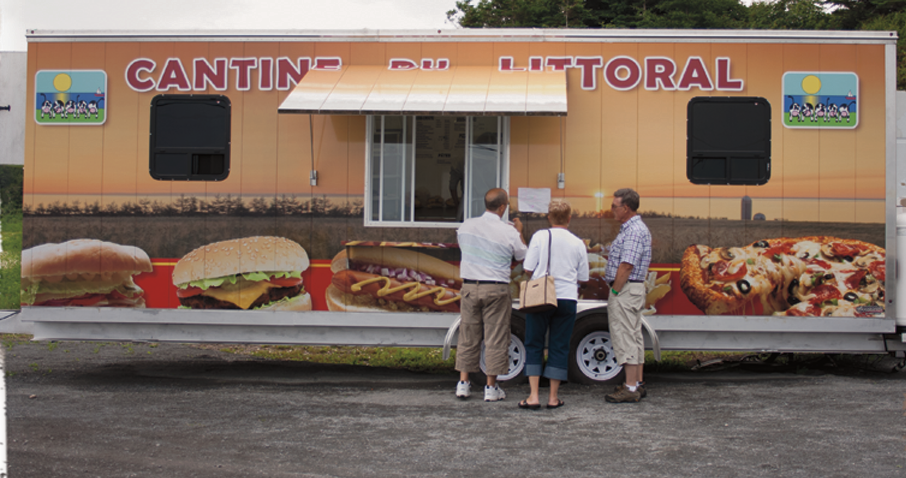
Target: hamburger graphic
x=83 y=273
x=261 y=273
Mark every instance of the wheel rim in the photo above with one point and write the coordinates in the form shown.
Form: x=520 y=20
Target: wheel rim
x=595 y=357
x=516 y=360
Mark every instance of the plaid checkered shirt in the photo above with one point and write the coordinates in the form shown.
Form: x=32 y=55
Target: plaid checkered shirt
x=633 y=246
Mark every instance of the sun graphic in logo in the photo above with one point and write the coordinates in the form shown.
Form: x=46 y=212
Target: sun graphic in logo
x=62 y=82
x=811 y=84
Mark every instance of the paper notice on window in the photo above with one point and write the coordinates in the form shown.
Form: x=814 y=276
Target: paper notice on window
x=534 y=199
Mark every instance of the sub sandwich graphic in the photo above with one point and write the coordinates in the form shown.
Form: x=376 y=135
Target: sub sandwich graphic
x=83 y=273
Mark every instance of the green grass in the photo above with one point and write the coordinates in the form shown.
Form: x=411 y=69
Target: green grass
x=853 y=120
x=11 y=340
x=10 y=258
x=71 y=119
x=429 y=360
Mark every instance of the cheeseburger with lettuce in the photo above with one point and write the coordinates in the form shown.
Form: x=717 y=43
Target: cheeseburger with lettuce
x=261 y=273
x=83 y=273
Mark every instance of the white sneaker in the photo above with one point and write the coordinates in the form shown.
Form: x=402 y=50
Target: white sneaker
x=493 y=394
x=463 y=390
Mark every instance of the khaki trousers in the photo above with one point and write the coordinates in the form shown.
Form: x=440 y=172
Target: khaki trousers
x=486 y=312
x=624 y=312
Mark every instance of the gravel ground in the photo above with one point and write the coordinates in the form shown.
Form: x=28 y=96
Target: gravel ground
x=169 y=410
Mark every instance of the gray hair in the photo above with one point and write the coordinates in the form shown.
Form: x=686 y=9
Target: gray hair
x=629 y=198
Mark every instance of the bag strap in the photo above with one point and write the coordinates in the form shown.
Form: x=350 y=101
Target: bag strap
x=550 y=249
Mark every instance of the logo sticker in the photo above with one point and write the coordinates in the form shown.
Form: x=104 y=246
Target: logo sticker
x=71 y=97
x=820 y=100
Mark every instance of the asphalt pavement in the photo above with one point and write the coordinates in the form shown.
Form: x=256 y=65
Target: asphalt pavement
x=170 y=410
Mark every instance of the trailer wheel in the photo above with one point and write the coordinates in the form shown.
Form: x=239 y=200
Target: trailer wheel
x=516 y=351
x=592 y=359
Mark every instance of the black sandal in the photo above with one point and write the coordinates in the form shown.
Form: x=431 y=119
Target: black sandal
x=530 y=406
x=558 y=405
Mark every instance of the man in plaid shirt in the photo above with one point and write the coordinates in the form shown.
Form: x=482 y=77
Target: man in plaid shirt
x=627 y=266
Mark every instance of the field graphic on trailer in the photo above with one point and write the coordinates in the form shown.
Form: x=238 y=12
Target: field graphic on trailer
x=354 y=148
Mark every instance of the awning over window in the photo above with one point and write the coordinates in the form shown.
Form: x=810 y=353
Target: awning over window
x=463 y=90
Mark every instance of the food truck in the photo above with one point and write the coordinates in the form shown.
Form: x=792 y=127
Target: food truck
x=305 y=187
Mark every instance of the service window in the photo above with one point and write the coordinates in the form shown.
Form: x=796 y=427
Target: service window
x=728 y=140
x=190 y=137
x=432 y=170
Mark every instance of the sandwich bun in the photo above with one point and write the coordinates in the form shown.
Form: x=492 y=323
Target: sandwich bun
x=298 y=303
x=255 y=254
x=339 y=301
x=85 y=258
x=392 y=258
x=339 y=262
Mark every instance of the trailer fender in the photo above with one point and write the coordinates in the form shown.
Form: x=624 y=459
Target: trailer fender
x=448 y=340
x=655 y=342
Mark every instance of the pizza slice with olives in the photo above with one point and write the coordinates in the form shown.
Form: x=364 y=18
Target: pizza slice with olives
x=809 y=276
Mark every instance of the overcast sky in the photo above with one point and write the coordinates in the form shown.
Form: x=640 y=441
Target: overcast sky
x=18 y=15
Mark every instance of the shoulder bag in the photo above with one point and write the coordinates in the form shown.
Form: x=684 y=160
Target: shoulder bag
x=539 y=295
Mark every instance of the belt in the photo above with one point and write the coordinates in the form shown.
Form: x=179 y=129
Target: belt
x=633 y=281
x=479 y=282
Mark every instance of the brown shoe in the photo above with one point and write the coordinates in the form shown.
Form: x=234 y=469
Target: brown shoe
x=640 y=389
x=623 y=395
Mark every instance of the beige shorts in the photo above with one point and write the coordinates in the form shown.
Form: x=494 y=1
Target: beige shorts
x=486 y=310
x=624 y=313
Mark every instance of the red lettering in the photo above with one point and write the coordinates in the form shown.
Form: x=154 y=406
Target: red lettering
x=723 y=76
x=559 y=63
x=506 y=64
x=286 y=71
x=428 y=64
x=243 y=67
x=398 y=64
x=622 y=73
x=265 y=74
x=589 y=66
x=173 y=75
x=134 y=69
x=205 y=73
x=536 y=63
x=659 y=71
x=695 y=74
x=329 y=63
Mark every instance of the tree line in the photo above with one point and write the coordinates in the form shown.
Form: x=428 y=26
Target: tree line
x=193 y=206
x=883 y=15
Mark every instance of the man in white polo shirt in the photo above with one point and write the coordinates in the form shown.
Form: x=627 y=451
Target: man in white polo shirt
x=488 y=246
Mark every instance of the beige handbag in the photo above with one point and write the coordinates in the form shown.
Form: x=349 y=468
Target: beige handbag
x=539 y=295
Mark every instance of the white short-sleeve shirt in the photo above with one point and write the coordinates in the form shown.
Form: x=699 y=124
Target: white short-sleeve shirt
x=488 y=247
x=569 y=263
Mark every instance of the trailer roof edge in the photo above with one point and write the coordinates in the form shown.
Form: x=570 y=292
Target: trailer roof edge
x=467 y=35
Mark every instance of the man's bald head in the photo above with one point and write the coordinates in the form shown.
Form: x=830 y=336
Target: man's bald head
x=495 y=198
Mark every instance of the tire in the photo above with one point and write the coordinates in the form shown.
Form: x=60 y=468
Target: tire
x=515 y=374
x=591 y=356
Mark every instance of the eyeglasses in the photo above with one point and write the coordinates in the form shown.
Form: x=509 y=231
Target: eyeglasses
x=615 y=206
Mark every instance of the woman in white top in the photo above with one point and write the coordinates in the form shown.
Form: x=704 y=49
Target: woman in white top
x=569 y=266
